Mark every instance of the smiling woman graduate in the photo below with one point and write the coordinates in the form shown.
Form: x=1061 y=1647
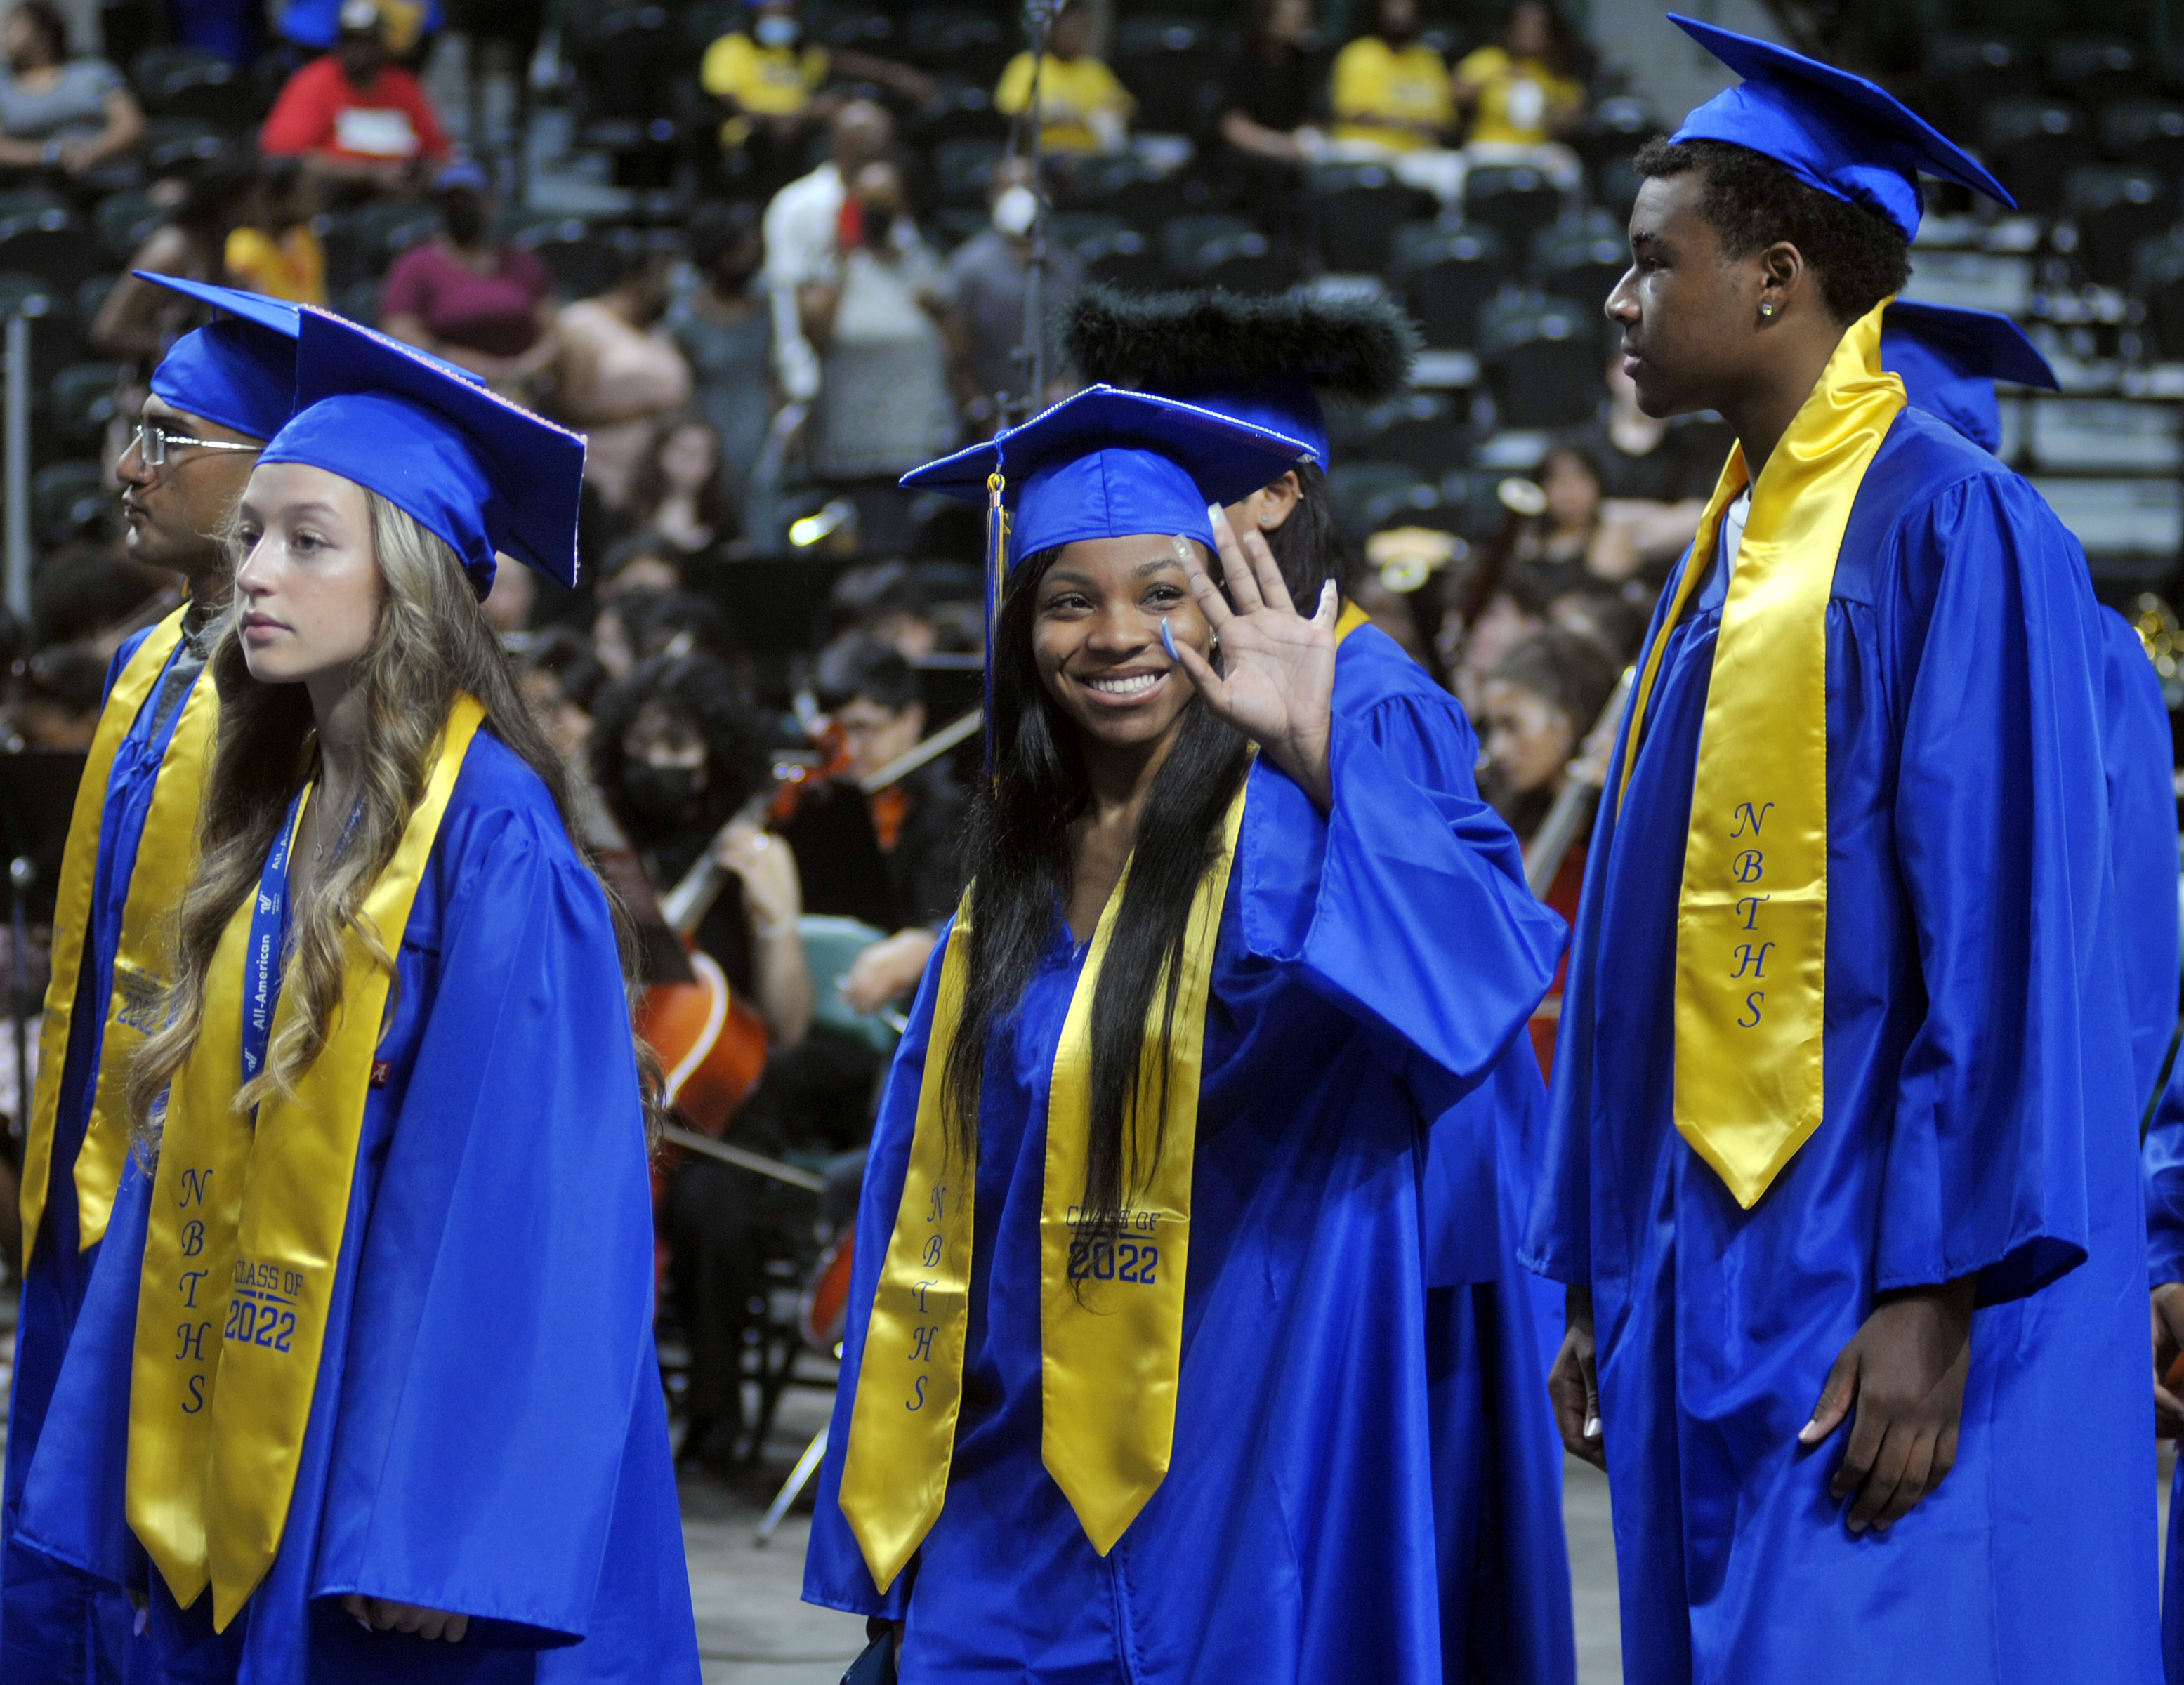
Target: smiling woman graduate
x=364 y=1386
x=1137 y=1379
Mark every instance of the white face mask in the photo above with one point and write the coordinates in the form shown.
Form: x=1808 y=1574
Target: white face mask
x=1016 y=210
x=776 y=32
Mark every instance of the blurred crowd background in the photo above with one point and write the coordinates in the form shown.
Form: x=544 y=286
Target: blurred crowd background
x=768 y=254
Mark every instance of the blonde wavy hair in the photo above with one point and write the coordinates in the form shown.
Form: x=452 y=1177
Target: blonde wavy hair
x=432 y=644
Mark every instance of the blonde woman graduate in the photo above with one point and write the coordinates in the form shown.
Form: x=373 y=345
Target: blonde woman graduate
x=218 y=396
x=1138 y=1379
x=364 y=1388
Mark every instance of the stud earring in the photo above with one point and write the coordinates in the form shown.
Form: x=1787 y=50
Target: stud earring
x=1766 y=312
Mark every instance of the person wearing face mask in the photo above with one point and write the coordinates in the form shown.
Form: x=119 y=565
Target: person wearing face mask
x=394 y=1196
x=992 y=275
x=767 y=79
x=726 y=333
x=220 y=394
x=882 y=317
x=482 y=303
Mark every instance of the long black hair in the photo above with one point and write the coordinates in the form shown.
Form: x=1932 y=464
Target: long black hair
x=1018 y=853
x=1308 y=547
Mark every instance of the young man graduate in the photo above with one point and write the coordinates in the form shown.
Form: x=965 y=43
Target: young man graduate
x=1840 y=1174
x=1496 y=1468
x=220 y=394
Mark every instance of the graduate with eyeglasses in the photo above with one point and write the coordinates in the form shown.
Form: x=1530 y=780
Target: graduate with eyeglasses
x=363 y=1385
x=1841 y=1176
x=1138 y=1381
x=216 y=397
x=1495 y=1324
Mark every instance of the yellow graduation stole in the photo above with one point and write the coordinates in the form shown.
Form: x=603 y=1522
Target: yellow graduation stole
x=165 y=857
x=1110 y=1310
x=1752 y=920
x=244 y=1239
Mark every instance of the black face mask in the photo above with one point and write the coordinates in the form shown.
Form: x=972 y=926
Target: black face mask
x=463 y=217
x=663 y=795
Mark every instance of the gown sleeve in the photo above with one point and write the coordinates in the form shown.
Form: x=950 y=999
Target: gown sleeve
x=502 y=1328
x=1405 y=905
x=2143 y=820
x=834 y=1571
x=2163 y=1160
x=2002 y=845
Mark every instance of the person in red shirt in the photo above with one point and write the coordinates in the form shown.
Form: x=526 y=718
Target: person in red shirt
x=357 y=117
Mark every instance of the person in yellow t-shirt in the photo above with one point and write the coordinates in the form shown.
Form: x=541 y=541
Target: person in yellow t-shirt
x=1522 y=91
x=1390 y=87
x=272 y=250
x=1083 y=107
x=768 y=83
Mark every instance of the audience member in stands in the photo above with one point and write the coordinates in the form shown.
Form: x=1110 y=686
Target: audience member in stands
x=357 y=117
x=1273 y=104
x=1525 y=94
x=726 y=336
x=64 y=115
x=1613 y=615
x=801 y=229
x=881 y=315
x=480 y=302
x=63 y=691
x=637 y=625
x=679 y=491
x=1656 y=475
x=617 y=370
x=1517 y=610
x=273 y=248
x=767 y=81
x=1390 y=88
x=643 y=561
x=138 y=321
x=1082 y=108
x=508 y=604
x=991 y=272
x=92 y=594
x=1541 y=703
x=885 y=603
x=1573 y=536
x=871 y=695
x=559 y=679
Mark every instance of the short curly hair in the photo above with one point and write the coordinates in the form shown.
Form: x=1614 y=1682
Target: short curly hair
x=1752 y=202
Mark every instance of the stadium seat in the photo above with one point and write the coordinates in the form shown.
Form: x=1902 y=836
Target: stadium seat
x=174 y=146
x=2094 y=69
x=706 y=22
x=2144 y=131
x=2116 y=208
x=1367 y=496
x=1616 y=129
x=2031 y=144
x=1966 y=73
x=949 y=226
x=385 y=228
x=962 y=170
x=90 y=299
x=1421 y=431
x=1583 y=263
x=1514 y=200
x=1355 y=210
x=196 y=83
x=959 y=111
x=52 y=244
x=972 y=43
x=870 y=29
x=2156 y=281
x=1445 y=276
x=576 y=256
x=124 y=222
x=71 y=500
x=628 y=60
x=82 y=396
x=1171 y=66
x=1110 y=250
x=1223 y=251
x=1618 y=189
x=1145 y=198
x=1542 y=359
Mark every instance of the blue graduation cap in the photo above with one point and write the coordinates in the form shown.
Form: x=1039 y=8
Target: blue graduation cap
x=1949 y=359
x=482 y=473
x=240 y=370
x=1831 y=130
x=1109 y=463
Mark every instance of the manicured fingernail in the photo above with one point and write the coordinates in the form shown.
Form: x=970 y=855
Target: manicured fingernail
x=1216 y=515
x=1168 y=642
x=1592 y=1427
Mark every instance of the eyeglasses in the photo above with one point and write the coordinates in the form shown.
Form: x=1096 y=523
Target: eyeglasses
x=153 y=441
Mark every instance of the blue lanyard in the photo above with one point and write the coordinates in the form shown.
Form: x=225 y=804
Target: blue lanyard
x=269 y=936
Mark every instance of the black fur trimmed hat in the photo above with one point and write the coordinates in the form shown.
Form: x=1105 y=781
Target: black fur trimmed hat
x=1262 y=360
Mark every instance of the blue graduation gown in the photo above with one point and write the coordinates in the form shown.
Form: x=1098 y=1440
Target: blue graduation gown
x=1978 y=1119
x=2139 y=756
x=487 y=1433
x=54 y=1625
x=1373 y=967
